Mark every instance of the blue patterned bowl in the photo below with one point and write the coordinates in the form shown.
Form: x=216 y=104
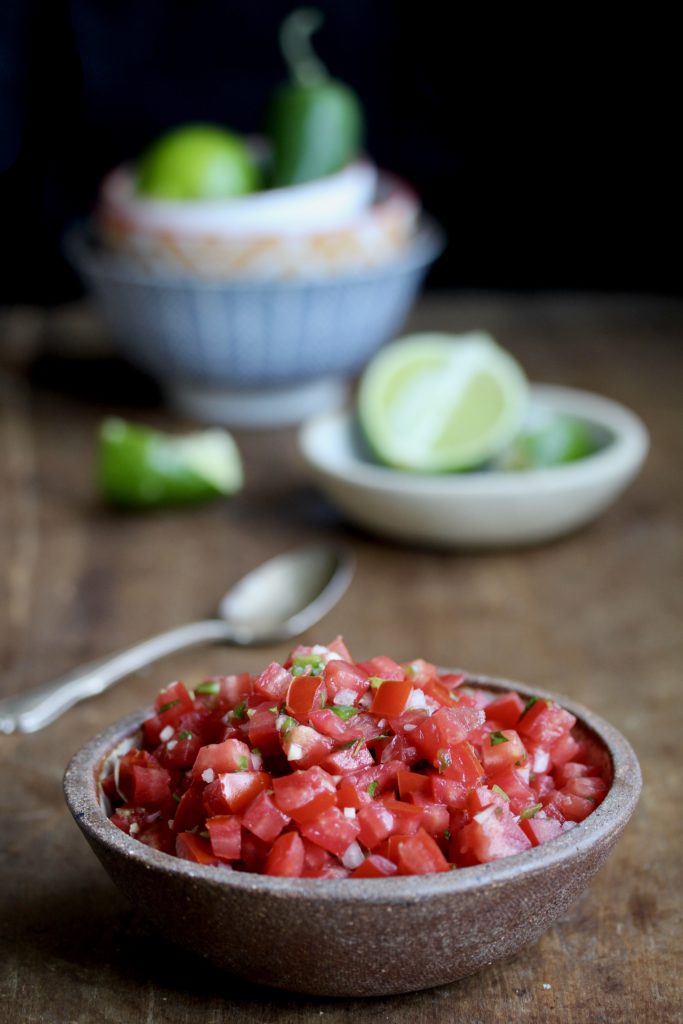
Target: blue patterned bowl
x=252 y=352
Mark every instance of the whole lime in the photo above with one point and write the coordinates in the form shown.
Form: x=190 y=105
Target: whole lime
x=197 y=161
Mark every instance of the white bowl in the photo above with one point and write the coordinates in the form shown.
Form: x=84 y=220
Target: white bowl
x=326 y=203
x=486 y=508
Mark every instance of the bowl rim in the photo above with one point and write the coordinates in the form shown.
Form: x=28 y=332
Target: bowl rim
x=426 y=245
x=626 y=450
x=610 y=816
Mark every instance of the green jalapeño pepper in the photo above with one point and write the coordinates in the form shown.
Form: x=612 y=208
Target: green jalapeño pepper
x=315 y=122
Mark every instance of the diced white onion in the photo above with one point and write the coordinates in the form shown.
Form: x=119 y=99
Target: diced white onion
x=325 y=653
x=134 y=828
x=256 y=761
x=541 y=760
x=409 y=726
x=353 y=856
x=382 y=724
x=171 y=744
x=208 y=775
x=344 y=697
x=170 y=823
x=166 y=733
x=349 y=812
x=295 y=752
x=417 y=699
x=366 y=699
x=280 y=721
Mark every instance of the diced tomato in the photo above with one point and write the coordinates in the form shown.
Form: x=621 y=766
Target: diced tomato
x=512 y=783
x=232 y=792
x=312 y=773
x=545 y=722
x=376 y=822
x=434 y=818
x=225 y=836
x=331 y=830
x=492 y=834
x=286 y=857
x=450 y=792
x=563 y=750
x=506 y=710
x=570 y=770
x=273 y=683
x=328 y=723
x=262 y=729
x=412 y=782
x=304 y=747
x=341 y=677
x=339 y=647
x=264 y=819
x=540 y=830
x=374 y=866
x=305 y=694
x=446 y=728
x=254 y=851
x=420 y=855
x=189 y=846
x=229 y=756
x=348 y=759
x=391 y=697
x=590 y=788
x=503 y=749
x=142 y=780
x=293 y=792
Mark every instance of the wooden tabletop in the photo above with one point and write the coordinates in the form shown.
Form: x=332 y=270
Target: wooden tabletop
x=596 y=616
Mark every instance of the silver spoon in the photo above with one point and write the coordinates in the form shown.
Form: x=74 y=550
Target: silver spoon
x=276 y=601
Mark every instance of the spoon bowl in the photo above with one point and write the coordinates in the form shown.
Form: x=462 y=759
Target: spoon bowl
x=276 y=601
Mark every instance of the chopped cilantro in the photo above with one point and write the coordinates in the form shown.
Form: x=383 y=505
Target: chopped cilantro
x=167 y=707
x=205 y=835
x=444 y=760
x=376 y=682
x=177 y=798
x=343 y=711
x=529 y=812
x=239 y=712
x=501 y=792
x=184 y=735
x=529 y=704
x=446 y=833
x=373 y=787
x=242 y=763
x=497 y=737
x=288 y=723
x=211 y=686
x=274 y=710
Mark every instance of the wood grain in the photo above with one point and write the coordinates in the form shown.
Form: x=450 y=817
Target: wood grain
x=596 y=616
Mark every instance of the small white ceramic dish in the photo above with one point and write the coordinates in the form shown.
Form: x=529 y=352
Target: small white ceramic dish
x=486 y=508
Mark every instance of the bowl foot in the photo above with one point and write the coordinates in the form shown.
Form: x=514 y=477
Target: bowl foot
x=256 y=407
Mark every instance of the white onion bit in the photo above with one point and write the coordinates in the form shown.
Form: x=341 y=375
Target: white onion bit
x=349 y=812
x=166 y=733
x=208 y=775
x=295 y=752
x=353 y=856
x=344 y=697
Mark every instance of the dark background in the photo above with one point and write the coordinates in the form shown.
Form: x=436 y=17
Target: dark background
x=544 y=143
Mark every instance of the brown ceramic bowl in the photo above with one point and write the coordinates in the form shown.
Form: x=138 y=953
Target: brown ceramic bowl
x=361 y=937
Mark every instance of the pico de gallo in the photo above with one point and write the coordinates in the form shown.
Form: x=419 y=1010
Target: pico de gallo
x=326 y=768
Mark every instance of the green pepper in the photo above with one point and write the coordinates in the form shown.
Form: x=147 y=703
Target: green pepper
x=315 y=122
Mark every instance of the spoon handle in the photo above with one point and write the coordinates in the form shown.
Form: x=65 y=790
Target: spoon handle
x=31 y=711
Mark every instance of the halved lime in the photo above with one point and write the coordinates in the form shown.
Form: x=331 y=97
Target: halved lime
x=441 y=402
x=140 y=467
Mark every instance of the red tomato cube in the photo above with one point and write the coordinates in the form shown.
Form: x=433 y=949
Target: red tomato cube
x=273 y=683
x=506 y=710
x=231 y=793
x=286 y=857
x=503 y=749
x=229 y=756
x=331 y=830
x=420 y=855
x=225 y=836
x=189 y=846
x=264 y=819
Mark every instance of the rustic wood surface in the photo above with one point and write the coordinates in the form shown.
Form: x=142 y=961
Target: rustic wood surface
x=596 y=616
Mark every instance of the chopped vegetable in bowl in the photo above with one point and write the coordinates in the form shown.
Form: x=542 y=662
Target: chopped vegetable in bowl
x=326 y=768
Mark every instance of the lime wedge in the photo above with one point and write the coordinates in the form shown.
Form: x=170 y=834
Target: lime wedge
x=142 y=468
x=549 y=440
x=441 y=402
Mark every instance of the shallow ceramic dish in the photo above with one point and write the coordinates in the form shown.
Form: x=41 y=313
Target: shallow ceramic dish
x=360 y=937
x=485 y=508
